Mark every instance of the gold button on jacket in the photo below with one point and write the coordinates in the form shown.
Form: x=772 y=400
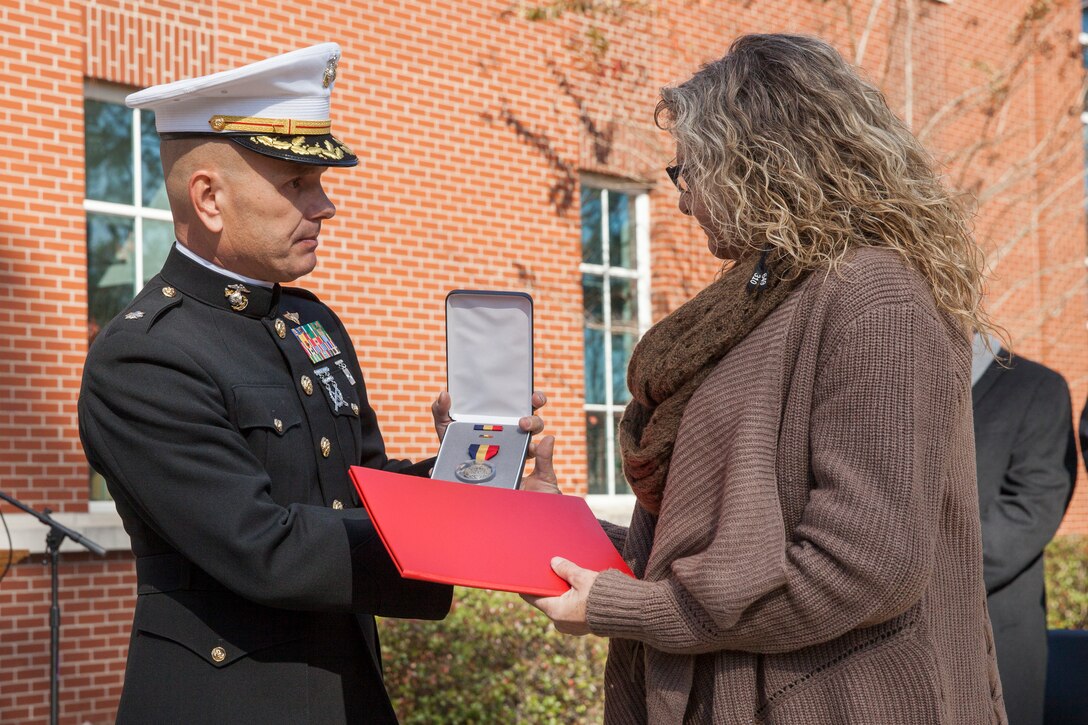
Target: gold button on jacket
x=219 y=654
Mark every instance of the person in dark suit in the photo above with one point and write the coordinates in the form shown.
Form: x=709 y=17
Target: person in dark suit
x=1026 y=459
x=224 y=410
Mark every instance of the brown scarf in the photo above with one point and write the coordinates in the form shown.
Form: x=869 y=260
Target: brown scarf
x=671 y=362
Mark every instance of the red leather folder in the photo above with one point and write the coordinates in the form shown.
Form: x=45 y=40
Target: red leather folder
x=482 y=537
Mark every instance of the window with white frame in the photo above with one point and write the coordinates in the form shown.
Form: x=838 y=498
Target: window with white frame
x=616 y=305
x=129 y=227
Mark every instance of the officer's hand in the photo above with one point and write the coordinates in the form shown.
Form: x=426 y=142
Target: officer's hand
x=440 y=409
x=531 y=424
x=534 y=424
x=542 y=479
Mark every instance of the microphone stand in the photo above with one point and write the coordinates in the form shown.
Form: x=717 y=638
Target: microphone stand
x=53 y=539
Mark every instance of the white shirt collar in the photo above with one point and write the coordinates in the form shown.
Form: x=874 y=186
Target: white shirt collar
x=216 y=268
x=982 y=355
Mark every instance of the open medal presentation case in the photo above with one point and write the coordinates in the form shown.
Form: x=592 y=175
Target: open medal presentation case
x=489 y=367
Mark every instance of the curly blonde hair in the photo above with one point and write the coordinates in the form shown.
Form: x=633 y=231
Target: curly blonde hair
x=788 y=149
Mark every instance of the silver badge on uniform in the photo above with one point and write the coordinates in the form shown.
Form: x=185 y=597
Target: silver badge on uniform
x=344 y=369
x=336 y=397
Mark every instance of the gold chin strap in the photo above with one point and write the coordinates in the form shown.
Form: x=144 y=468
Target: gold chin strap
x=288 y=126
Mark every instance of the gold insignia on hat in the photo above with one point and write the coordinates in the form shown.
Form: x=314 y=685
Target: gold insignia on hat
x=297 y=145
x=236 y=295
x=330 y=72
x=292 y=316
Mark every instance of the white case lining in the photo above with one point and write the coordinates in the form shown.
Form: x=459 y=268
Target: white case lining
x=489 y=355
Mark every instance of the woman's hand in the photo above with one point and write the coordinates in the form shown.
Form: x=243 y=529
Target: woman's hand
x=568 y=611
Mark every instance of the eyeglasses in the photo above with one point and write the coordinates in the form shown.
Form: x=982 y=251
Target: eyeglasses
x=676 y=173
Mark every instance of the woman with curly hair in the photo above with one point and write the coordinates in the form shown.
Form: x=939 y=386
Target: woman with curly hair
x=806 y=541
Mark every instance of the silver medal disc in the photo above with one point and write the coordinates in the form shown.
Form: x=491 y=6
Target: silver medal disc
x=475 y=472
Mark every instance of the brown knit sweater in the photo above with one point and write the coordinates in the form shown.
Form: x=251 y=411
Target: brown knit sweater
x=817 y=557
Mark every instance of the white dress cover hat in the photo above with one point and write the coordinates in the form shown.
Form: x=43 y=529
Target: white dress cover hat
x=277 y=107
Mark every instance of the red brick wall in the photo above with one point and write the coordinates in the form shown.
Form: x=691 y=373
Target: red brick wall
x=42 y=254
x=95 y=599
x=472 y=125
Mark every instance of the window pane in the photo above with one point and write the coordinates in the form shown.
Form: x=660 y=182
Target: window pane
x=593 y=310
x=596 y=452
x=621 y=230
x=111 y=273
x=624 y=294
x=593 y=299
x=621 y=482
x=622 y=345
x=592 y=246
x=154 y=187
x=594 y=371
x=158 y=237
x=108 y=136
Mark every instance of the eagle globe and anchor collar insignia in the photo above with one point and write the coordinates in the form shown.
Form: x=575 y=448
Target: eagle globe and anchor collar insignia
x=236 y=295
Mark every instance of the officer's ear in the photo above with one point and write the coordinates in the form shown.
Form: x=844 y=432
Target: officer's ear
x=206 y=198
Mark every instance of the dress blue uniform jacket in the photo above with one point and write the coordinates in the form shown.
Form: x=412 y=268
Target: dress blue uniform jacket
x=226 y=447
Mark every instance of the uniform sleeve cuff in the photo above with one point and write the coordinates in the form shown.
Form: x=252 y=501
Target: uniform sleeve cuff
x=420 y=468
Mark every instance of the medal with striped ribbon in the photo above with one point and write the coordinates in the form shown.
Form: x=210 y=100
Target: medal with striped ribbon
x=477 y=470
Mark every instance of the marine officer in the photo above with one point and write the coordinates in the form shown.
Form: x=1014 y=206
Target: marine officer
x=224 y=411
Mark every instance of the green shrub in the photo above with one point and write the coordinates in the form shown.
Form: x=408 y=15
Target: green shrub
x=1067 y=583
x=494 y=659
